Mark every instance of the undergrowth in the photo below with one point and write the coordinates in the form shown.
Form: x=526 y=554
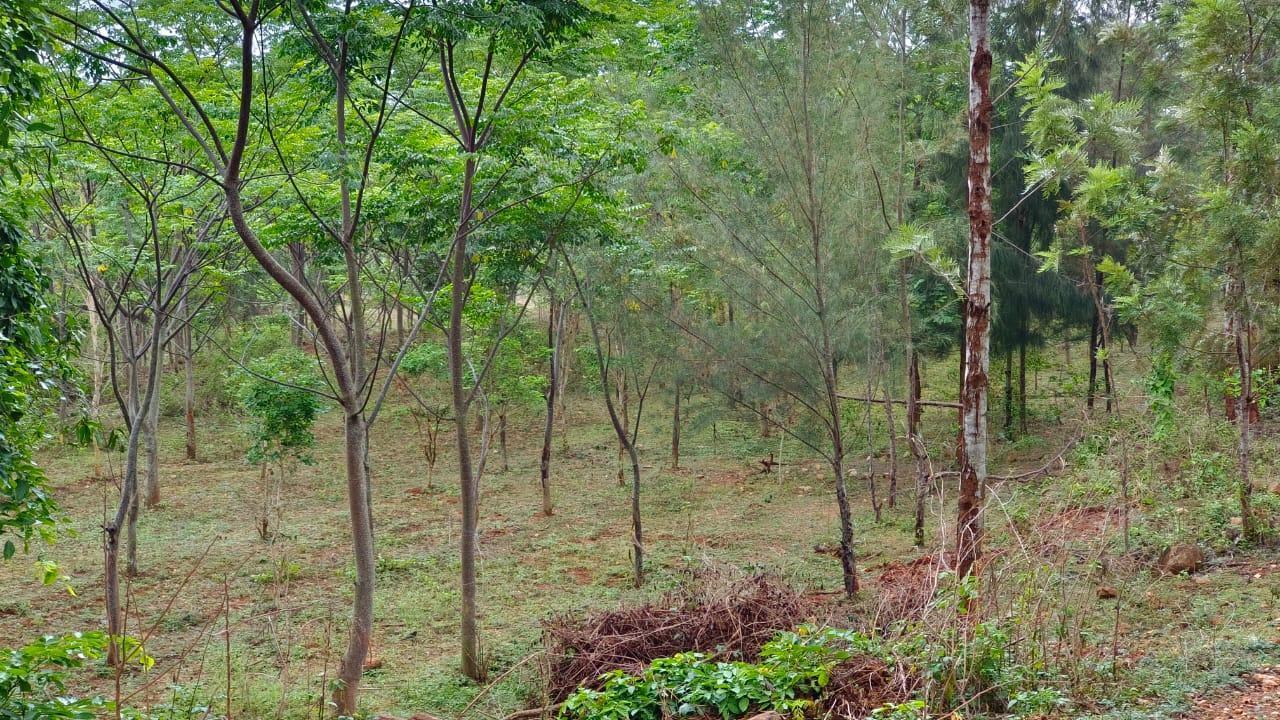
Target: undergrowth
x=792 y=671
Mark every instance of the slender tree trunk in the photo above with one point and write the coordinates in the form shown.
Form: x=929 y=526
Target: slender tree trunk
x=973 y=470
x=1103 y=322
x=346 y=361
x=140 y=415
x=892 y=427
x=298 y=261
x=555 y=332
x=675 y=429
x=619 y=429
x=624 y=397
x=472 y=666
x=1093 y=362
x=356 y=430
x=1008 y=391
x=128 y=487
x=1108 y=381
x=568 y=340
x=502 y=437
x=189 y=395
x=1244 y=403
x=848 y=559
x=637 y=531
x=916 y=440
x=1022 y=386
x=351 y=668
x=153 y=450
x=624 y=439
x=95 y=363
x=676 y=314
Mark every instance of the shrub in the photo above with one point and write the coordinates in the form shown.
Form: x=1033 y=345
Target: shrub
x=793 y=669
x=33 y=679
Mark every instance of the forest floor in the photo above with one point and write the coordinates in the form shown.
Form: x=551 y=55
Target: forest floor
x=1258 y=700
x=210 y=593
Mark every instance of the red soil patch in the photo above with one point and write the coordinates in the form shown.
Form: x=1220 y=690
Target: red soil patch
x=1259 y=699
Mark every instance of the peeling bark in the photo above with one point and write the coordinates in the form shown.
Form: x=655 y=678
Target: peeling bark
x=973 y=400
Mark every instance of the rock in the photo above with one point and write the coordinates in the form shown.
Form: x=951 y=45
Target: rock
x=768 y=715
x=1181 y=558
x=1106 y=592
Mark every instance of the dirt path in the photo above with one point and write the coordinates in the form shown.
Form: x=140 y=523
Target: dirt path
x=1258 y=700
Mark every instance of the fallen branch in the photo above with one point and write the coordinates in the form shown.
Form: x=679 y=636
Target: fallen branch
x=1055 y=463
x=544 y=711
x=927 y=403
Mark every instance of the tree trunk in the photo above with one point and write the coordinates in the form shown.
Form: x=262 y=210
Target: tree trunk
x=139 y=414
x=189 y=396
x=1022 y=386
x=973 y=469
x=1244 y=403
x=892 y=428
x=95 y=364
x=1103 y=322
x=1093 y=362
x=153 y=450
x=620 y=430
x=568 y=340
x=351 y=668
x=625 y=397
x=1008 y=391
x=637 y=534
x=916 y=441
x=472 y=666
x=128 y=487
x=346 y=361
x=555 y=332
x=502 y=437
x=848 y=560
x=298 y=261
x=675 y=429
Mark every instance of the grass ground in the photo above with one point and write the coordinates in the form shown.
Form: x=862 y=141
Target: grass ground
x=210 y=589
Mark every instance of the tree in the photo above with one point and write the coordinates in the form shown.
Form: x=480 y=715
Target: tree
x=32 y=354
x=977 y=308
x=619 y=367
x=787 y=253
x=342 y=50
x=136 y=285
x=282 y=403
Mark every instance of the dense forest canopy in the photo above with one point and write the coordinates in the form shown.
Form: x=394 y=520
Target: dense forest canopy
x=612 y=359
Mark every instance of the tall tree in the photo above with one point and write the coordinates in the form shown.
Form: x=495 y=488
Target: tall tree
x=350 y=56
x=973 y=398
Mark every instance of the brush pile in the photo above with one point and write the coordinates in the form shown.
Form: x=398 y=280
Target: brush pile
x=906 y=589
x=862 y=684
x=729 y=618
